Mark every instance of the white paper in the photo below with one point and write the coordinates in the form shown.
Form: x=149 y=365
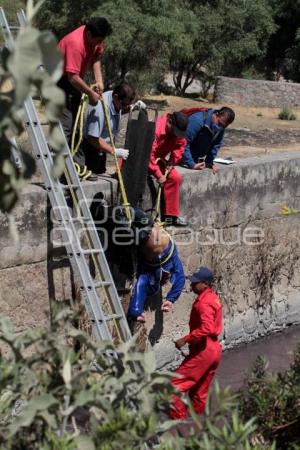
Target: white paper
x=224 y=161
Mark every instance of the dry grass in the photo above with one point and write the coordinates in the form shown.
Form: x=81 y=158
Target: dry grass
x=258 y=118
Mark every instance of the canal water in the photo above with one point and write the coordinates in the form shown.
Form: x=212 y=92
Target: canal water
x=277 y=348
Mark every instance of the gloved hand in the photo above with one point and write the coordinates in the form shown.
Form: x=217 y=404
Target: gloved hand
x=138 y=105
x=122 y=153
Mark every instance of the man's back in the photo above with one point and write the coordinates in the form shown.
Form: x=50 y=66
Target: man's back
x=95 y=122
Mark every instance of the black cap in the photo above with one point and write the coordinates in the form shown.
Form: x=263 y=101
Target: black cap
x=141 y=219
x=202 y=274
x=179 y=124
x=142 y=224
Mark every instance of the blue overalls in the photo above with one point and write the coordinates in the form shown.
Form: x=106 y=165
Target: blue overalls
x=152 y=275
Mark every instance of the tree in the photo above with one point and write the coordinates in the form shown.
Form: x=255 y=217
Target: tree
x=284 y=46
x=62 y=16
x=143 y=34
x=225 y=36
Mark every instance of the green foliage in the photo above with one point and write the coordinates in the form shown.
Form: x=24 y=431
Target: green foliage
x=250 y=73
x=140 y=45
x=62 y=16
x=19 y=77
x=284 y=46
x=223 y=36
x=221 y=428
x=196 y=40
x=71 y=401
x=275 y=401
x=286 y=114
x=143 y=32
x=53 y=397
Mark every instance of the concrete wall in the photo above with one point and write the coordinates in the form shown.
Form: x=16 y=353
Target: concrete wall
x=236 y=228
x=239 y=91
x=258 y=277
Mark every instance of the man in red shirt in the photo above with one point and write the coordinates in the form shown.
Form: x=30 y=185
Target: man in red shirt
x=198 y=368
x=167 y=150
x=81 y=50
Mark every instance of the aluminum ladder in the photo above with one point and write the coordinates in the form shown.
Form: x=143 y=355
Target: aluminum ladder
x=79 y=234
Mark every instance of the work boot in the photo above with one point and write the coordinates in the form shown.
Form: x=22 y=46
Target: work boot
x=175 y=221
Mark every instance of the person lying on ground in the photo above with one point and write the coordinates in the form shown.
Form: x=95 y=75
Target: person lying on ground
x=204 y=135
x=167 y=150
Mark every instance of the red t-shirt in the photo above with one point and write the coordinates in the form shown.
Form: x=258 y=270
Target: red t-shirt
x=77 y=53
x=164 y=144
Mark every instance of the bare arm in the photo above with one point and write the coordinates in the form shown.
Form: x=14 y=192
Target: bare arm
x=98 y=77
x=82 y=87
x=100 y=144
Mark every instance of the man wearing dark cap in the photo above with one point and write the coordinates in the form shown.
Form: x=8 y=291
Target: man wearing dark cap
x=167 y=150
x=198 y=368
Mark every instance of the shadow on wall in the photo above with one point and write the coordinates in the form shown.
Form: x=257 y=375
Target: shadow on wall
x=154 y=304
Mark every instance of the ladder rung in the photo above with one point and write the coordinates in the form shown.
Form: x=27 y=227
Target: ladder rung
x=99 y=284
x=111 y=317
x=82 y=219
x=91 y=251
x=68 y=186
x=65 y=154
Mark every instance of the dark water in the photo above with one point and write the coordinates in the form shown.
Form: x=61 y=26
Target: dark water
x=277 y=348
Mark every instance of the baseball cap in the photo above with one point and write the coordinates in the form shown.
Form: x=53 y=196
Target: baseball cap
x=202 y=274
x=179 y=124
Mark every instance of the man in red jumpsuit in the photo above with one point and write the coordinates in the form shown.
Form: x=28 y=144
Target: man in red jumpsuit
x=167 y=150
x=198 y=368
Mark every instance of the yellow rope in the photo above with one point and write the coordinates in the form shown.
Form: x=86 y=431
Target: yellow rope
x=158 y=200
x=125 y=202
x=78 y=120
x=74 y=148
x=169 y=255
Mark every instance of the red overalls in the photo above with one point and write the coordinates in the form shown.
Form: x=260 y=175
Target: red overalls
x=164 y=145
x=198 y=368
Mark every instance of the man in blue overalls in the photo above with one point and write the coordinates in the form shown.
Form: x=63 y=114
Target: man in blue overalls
x=158 y=263
x=204 y=135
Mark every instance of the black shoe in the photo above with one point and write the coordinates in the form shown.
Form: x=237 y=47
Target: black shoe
x=175 y=221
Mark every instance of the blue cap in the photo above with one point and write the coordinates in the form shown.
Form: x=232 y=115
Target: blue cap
x=202 y=274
